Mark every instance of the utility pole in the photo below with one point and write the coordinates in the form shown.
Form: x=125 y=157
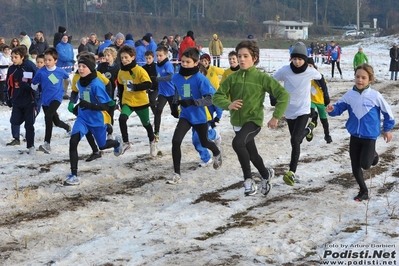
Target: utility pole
x=357 y=16
x=203 y=9
x=317 y=15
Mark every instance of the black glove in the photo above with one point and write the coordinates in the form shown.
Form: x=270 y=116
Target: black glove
x=326 y=101
x=75 y=110
x=186 y=103
x=175 y=110
x=212 y=123
x=73 y=61
x=216 y=119
x=131 y=87
x=85 y=104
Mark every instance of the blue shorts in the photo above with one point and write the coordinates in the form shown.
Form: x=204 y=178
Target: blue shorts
x=99 y=133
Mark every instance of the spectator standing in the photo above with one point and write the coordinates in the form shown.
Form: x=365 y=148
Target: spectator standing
x=188 y=41
x=360 y=58
x=129 y=40
x=25 y=39
x=107 y=42
x=394 y=66
x=334 y=56
x=14 y=43
x=152 y=45
x=216 y=49
x=93 y=44
x=140 y=50
x=58 y=35
x=119 y=41
x=39 y=43
x=65 y=60
x=83 y=45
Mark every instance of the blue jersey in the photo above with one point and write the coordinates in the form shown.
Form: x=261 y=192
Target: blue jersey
x=51 y=83
x=94 y=93
x=165 y=88
x=194 y=87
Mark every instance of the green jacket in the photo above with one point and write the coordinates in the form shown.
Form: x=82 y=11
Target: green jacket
x=360 y=58
x=250 y=86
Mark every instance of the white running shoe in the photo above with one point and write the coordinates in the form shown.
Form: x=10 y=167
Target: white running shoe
x=45 y=147
x=174 y=180
x=71 y=180
x=266 y=185
x=153 y=148
x=250 y=187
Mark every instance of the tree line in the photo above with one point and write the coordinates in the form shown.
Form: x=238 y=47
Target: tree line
x=227 y=17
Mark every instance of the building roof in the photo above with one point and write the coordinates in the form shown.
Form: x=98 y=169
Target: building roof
x=287 y=23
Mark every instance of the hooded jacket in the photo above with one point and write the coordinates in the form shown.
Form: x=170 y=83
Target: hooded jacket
x=40 y=45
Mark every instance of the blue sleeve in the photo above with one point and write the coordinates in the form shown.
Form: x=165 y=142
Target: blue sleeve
x=339 y=108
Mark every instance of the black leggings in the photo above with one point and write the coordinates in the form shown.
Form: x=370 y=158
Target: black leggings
x=361 y=152
x=298 y=131
x=73 y=150
x=182 y=127
x=162 y=100
x=333 y=66
x=50 y=117
x=245 y=148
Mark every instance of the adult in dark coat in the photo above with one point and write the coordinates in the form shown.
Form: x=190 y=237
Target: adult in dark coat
x=39 y=43
x=394 y=66
x=83 y=45
x=58 y=35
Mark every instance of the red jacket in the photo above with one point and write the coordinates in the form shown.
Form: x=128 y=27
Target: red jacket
x=186 y=43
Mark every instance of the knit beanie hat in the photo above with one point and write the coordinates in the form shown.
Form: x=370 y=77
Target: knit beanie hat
x=90 y=65
x=300 y=51
x=147 y=38
x=215 y=36
x=23 y=33
x=119 y=35
x=206 y=56
x=129 y=36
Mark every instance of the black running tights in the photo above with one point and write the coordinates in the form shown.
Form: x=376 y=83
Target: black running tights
x=50 y=117
x=361 y=152
x=183 y=126
x=298 y=131
x=245 y=148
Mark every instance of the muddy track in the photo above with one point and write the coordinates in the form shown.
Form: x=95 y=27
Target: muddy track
x=66 y=199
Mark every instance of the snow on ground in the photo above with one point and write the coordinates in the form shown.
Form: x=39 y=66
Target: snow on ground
x=123 y=213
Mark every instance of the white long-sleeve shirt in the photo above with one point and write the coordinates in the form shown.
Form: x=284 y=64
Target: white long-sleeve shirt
x=298 y=86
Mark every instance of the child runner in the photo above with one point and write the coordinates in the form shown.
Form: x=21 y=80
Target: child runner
x=21 y=96
x=110 y=69
x=151 y=68
x=364 y=106
x=234 y=66
x=51 y=79
x=243 y=93
x=319 y=100
x=195 y=92
x=133 y=83
x=297 y=78
x=96 y=154
x=166 y=89
x=92 y=116
x=213 y=133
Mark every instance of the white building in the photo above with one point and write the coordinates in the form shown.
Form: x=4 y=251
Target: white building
x=297 y=30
